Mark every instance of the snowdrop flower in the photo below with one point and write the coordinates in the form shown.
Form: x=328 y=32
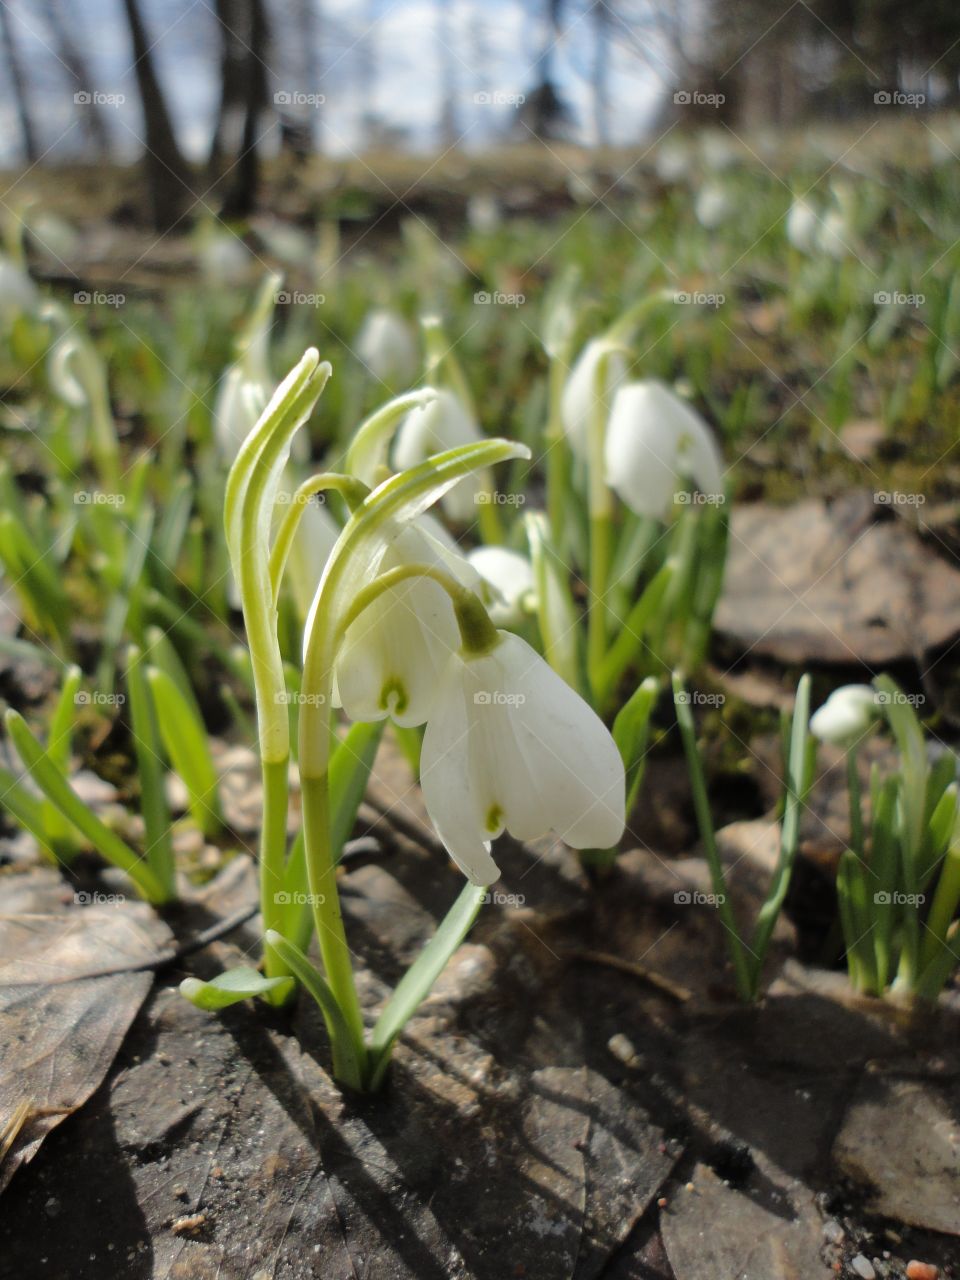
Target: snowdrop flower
x=672 y=161
x=241 y=398
x=393 y=654
x=223 y=257
x=653 y=441
x=510 y=746
x=577 y=402
x=717 y=150
x=441 y=424
x=316 y=535
x=483 y=212
x=834 y=233
x=846 y=715
x=387 y=347
x=18 y=293
x=508 y=583
x=802 y=226
x=713 y=206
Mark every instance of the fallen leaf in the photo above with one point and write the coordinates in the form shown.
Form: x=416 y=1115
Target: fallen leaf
x=812 y=582
x=65 y=1002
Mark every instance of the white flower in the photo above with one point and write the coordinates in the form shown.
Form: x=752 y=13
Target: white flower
x=316 y=535
x=579 y=393
x=387 y=347
x=846 y=715
x=510 y=746
x=241 y=398
x=802 y=226
x=18 y=293
x=654 y=440
x=713 y=206
x=442 y=424
x=508 y=583
x=834 y=234
x=483 y=212
x=394 y=653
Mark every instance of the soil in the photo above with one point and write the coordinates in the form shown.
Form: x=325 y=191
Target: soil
x=551 y=1111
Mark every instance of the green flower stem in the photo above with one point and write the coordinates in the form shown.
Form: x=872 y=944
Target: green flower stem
x=353 y=492
x=327 y=917
x=477 y=632
x=556 y=455
x=273 y=850
x=856 y=807
x=601 y=511
x=701 y=804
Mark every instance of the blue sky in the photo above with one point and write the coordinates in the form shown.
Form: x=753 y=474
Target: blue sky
x=494 y=45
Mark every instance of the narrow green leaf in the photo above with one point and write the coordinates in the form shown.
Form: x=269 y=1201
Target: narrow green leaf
x=350 y=767
x=57 y=789
x=351 y=1056
x=230 y=987
x=185 y=742
x=631 y=733
x=416 y=982
x=153 y=800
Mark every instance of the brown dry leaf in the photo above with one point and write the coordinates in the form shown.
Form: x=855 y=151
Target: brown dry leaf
x=834 y=584
x=64 y=1016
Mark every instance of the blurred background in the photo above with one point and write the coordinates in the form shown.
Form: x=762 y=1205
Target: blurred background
x=209 y=95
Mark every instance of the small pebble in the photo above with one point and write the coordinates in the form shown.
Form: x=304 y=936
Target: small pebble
x=833 y=1231
x=662 y=1202
x=186 y=1226
x=863 y=1267
x=689 y=1187
x=921 y=1271
x=52 y=1207
x=622 y=1049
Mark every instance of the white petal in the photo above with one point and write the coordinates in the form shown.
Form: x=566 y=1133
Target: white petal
x=452 y=782
x=846 y=715
x=510 y=576
x=654 y=440
x=575 y=764
x=576 y=405
x=387 y=347
x=442 y=424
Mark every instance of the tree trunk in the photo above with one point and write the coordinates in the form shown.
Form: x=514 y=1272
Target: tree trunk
x=168 y=176
x=78 y=70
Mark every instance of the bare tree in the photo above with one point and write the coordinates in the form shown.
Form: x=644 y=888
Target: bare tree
x=168 y=176
x=544 y=113
x=75 y=64
x=244 y=91
x=28 y=135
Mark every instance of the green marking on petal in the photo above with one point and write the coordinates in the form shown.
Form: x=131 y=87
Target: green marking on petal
x=494 y=819
x=394 y=696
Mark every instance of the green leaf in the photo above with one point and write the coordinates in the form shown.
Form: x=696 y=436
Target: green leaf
x=351 y=1056
x=796 y=782
x=631 y=733
x=185 y=742
x=630 y=641
x=153 y=800
x=420 y=977
x=557 y=614
x=350 y=767
x=58 y=790
x=242 y=983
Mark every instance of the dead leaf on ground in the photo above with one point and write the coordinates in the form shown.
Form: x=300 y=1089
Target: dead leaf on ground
x=63 y=1024
x=812 y=582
